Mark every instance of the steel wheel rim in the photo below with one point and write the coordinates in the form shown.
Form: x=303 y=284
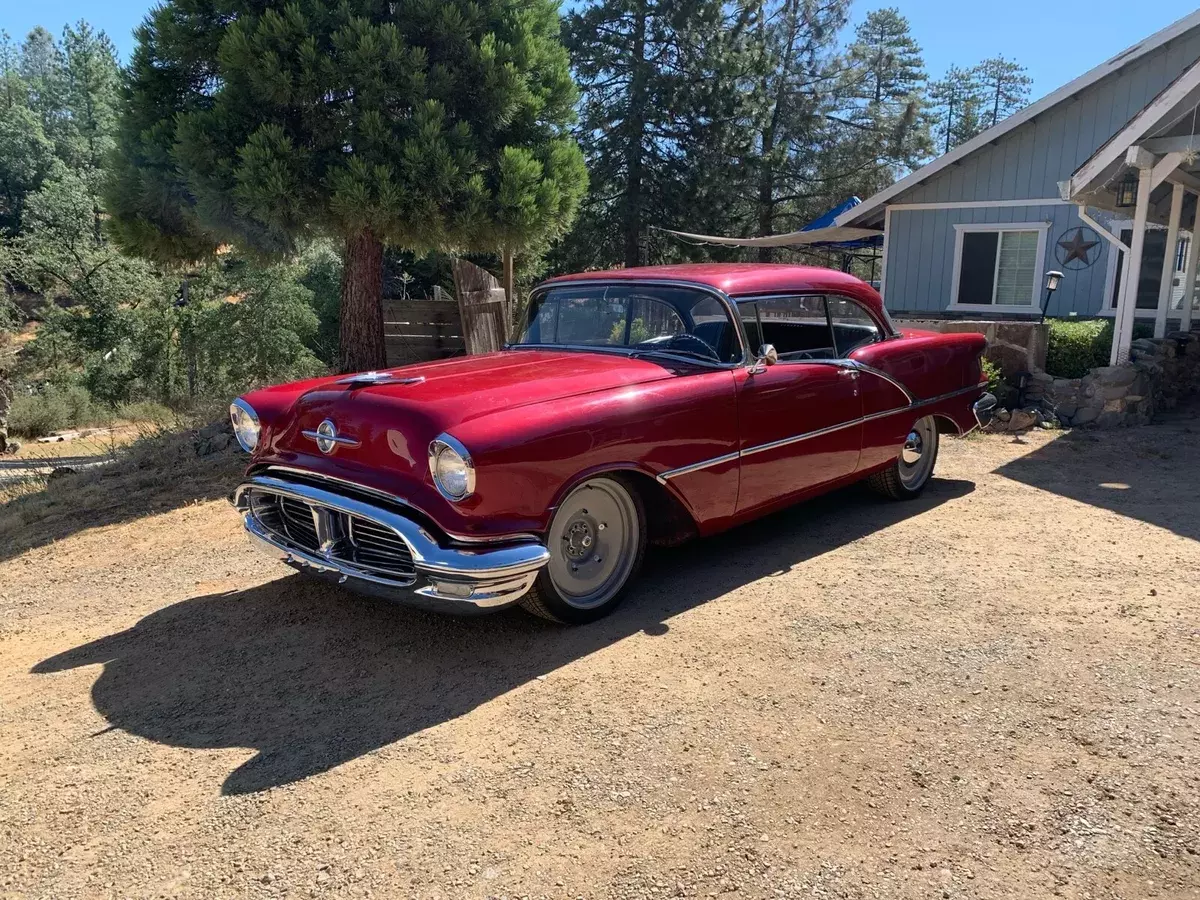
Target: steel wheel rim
x=593 y=544
x=916 y=459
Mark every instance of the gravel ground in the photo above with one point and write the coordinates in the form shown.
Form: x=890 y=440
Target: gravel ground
x=993 y=691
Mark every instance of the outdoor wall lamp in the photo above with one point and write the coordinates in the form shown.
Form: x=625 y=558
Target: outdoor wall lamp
x=1127 y=189
x=1053 y=277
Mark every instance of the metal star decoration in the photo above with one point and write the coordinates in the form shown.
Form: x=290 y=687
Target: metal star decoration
x=1077 y=248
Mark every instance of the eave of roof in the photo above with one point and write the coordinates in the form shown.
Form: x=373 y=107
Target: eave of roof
x=872 y=205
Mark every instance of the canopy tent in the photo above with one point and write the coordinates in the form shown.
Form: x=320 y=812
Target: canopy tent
x=821 y=232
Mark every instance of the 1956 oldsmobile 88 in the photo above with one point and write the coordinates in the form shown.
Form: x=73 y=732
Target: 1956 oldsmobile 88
x=633 y=406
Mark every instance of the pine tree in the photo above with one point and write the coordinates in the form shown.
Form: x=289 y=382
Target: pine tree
x=417 y=123
x=41 y=69
x=798 y=50
x=886 y=60
x=955 y=102
x=657 y=92
x=1003 y=87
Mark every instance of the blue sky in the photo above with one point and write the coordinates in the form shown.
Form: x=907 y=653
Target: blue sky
x=1056 y=42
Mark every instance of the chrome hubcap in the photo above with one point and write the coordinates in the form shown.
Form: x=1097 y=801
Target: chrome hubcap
x=917 y=457
x=593 y=542
x=911 y=454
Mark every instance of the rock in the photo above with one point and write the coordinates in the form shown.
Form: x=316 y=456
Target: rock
x=214 y=438
x=1066 y=411
x=1023 y=418
x=60 y=472
x=1115 y=375
x=10 y=445
x=1085 y=415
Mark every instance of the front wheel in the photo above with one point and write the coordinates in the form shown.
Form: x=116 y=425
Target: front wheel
x=911 y=471
x=596 y=542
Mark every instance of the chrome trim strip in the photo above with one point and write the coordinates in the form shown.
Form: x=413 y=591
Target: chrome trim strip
x=722 y=297
x=664 y=477
x=863 y=367
x=400 y=501
x=332 y=438
x=948 y=395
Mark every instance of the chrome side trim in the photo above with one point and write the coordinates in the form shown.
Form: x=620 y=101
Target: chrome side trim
x=400 y=501
x=949 y=394
x=664 y=477
x=863 y=367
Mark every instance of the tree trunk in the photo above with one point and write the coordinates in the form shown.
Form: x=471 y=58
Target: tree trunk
x=360 y=338
x=635 y=123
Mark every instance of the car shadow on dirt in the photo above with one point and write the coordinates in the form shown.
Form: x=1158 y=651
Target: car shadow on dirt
x=1148 y=474
x=312 y=676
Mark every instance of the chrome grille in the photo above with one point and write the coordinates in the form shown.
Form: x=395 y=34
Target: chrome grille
x=363 y=543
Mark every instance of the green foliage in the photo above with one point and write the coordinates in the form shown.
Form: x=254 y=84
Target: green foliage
x=1004 y=88
x=53 y=408
x=1075 y=346
x=991 y=371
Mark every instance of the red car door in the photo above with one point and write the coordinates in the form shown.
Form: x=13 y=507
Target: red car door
x=799 y=420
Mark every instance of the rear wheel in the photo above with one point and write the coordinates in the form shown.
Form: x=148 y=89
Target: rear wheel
x=911 y=471
x=596 y=542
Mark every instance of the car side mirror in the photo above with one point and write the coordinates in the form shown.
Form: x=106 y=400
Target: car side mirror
x=767 y=356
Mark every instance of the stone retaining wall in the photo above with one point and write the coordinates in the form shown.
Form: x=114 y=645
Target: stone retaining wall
x=1159 y=374
x=1013 y=346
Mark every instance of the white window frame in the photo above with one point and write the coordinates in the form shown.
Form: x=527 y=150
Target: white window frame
x=1034 y=307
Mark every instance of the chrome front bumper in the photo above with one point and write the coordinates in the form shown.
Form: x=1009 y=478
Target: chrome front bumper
x=445 y=579
x=984 y=409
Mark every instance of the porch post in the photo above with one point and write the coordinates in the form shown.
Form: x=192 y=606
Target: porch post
x=1123 y=330
x=1168 y=268
x=1189 y=274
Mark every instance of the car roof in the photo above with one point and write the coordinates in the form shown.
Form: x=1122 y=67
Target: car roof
x=745 y=279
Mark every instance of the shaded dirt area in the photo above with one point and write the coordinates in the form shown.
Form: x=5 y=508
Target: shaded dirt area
x=991 y=692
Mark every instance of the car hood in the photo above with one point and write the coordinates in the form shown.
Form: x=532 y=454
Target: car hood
x=400 y=418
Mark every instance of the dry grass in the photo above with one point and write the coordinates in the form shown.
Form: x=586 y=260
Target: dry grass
x=142 y=470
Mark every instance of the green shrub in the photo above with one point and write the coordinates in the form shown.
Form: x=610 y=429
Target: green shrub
x=147 y=411
x=51 y=409
x=1075 y=346
x=991 y=371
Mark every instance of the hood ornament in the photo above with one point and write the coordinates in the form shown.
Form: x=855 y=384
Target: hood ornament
x=327 y=437
x=364 y=379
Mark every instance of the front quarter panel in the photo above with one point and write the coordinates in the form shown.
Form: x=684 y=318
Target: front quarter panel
x=527 y=459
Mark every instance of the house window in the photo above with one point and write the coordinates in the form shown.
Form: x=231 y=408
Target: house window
x=999 y=265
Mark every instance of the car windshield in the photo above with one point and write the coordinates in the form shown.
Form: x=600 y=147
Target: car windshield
x=649 y=319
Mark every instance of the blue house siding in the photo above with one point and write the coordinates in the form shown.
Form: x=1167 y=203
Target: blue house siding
x=1028 y=163
x=920 y=269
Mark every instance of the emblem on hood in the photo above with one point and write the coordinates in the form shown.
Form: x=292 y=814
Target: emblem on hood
x=327 y=437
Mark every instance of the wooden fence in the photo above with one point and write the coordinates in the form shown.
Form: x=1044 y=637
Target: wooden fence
x=421 y=330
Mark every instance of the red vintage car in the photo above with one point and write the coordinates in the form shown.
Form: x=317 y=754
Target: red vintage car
x=632 y=407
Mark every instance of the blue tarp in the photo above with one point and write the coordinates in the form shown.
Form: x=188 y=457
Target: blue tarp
x=829 y=220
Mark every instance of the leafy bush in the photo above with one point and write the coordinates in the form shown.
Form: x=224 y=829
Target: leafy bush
x=1076 y=346
x=991 y=371
x=51 y=409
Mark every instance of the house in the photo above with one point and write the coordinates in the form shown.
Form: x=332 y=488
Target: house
x=1098 y=180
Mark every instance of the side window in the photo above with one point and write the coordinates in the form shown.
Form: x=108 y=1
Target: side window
x=797 y=326
x=853 y=326
x=651 y=321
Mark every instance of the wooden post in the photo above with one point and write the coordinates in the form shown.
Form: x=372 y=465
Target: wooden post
x=1168 y=267
x=509 y=285
x=1123 y=332
x=1189 y=274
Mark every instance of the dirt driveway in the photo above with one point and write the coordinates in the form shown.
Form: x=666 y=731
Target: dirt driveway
x=991 y=692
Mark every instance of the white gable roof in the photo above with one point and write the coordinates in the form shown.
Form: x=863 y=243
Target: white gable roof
x=874 y=203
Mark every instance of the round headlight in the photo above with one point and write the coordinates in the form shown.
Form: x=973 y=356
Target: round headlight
x=245 y=424
x=451 y=467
